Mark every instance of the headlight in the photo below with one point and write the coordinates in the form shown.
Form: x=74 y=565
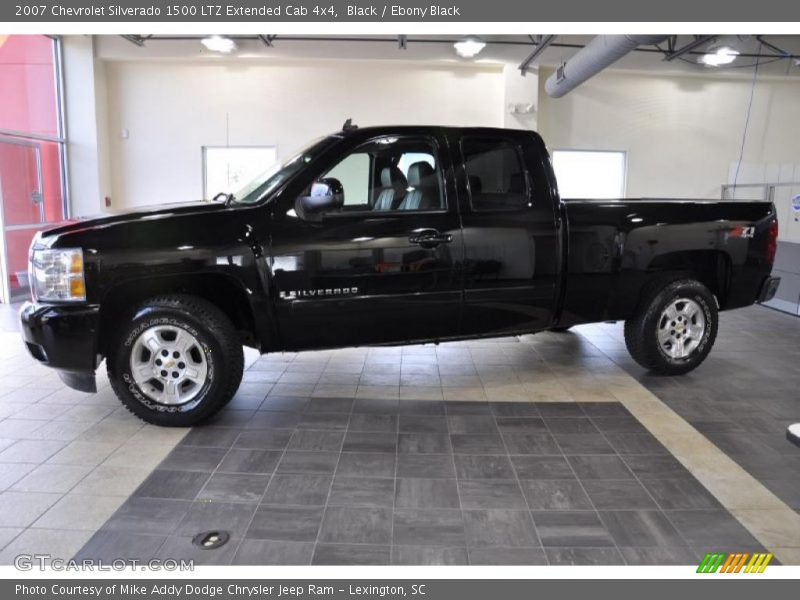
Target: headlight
x=57 y=274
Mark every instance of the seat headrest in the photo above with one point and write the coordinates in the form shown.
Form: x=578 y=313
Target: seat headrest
x=475 y=184
x=516 y=185
x=419 y=174
x=392 y=177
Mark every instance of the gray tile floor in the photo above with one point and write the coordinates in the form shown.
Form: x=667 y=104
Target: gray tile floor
x=743 y=396
x=369 y=481
x=67 y=460
x=386 y=455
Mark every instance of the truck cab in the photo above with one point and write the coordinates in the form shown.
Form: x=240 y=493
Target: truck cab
x=437 y=234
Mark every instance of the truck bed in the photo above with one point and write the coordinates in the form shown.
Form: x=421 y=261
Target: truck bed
x=614 y=245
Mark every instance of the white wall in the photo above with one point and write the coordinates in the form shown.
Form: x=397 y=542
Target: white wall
x=681 y=133
x=520 y=90
x=172 y=109
x=84 y=108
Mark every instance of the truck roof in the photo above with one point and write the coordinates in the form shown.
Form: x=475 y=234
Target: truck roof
x=373 y=130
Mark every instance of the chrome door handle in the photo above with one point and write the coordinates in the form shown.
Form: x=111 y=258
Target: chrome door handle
x=430 y=238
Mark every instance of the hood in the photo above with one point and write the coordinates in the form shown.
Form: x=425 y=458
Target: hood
x=160 y=211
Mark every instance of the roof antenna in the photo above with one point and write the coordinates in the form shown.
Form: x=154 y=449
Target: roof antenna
x=348 y=125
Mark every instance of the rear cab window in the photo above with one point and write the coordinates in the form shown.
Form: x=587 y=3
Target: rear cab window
x=496 y=179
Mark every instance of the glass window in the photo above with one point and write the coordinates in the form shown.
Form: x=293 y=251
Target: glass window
x=391 y=174
x=409 y=158
x=495 y=174
x=354 y=175
x=32 y=183
x=590 y=174
x=28 y=103
x=228 y=169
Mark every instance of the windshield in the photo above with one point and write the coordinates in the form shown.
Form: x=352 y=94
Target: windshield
x=277 y=174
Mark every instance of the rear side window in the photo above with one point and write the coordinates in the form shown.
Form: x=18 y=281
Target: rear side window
x=495 y=175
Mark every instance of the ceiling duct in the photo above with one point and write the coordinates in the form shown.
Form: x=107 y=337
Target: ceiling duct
x=602 y=51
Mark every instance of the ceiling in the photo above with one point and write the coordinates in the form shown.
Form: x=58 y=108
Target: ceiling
x=500 y=49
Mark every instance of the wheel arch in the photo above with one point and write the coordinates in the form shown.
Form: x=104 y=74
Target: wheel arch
x=221 y=290
x=712 y=268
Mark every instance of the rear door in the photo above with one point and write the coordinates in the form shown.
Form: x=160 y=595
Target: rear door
x=510 y=235
x=383 y=268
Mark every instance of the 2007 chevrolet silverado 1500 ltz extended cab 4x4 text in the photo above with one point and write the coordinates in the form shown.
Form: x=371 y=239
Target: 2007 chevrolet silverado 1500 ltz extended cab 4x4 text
x=382 y=235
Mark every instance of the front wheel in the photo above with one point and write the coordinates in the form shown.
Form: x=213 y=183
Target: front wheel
x=176 y=362
x=674 y=327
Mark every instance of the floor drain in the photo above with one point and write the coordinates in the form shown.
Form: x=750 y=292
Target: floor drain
x=209 y=540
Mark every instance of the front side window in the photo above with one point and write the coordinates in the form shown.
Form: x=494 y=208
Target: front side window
x=390 y=174
x=354 y=175
x=495 y=174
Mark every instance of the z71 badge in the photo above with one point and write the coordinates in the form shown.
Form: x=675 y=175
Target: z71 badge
x=743 y=232
x=321 y=293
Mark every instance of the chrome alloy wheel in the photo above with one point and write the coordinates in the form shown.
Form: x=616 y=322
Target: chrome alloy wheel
x=681 y=328
x=168 y=364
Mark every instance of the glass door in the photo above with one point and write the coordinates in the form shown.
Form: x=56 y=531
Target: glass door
x=23 y=211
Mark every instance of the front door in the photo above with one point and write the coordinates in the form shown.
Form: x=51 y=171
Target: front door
x=383 y=267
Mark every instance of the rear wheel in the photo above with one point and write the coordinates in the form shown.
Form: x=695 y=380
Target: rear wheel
x=674 y=327
x=176 y=362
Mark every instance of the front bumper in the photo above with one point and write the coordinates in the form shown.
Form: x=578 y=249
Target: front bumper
x=768 y=289
x=65 y=338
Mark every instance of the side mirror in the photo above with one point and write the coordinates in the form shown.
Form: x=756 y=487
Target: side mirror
x=325 y=195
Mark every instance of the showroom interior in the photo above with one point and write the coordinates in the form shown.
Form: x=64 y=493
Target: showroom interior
x=418 y=454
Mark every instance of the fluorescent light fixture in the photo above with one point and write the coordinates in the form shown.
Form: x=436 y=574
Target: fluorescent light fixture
x=469 y=47
x=724 y=55
x=217 y=43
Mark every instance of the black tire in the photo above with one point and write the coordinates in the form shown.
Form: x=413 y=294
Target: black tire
x=216 y=338
x=641 y=330
x=561 y=329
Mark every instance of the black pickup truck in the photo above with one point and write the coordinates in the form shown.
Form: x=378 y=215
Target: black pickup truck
x=382 y=235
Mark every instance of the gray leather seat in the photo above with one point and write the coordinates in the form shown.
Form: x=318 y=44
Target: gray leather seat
x=424 y=193
x=393 y=188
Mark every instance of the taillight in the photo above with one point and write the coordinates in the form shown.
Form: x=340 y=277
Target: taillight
x=772 y=241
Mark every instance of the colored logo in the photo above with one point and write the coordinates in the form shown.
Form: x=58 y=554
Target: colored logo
x=734 y=562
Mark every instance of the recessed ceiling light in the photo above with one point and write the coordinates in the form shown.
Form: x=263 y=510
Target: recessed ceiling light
x=469 y=47
x=724 y=55
x=217 y=43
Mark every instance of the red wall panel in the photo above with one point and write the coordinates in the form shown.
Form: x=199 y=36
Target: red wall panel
x=29 y=105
